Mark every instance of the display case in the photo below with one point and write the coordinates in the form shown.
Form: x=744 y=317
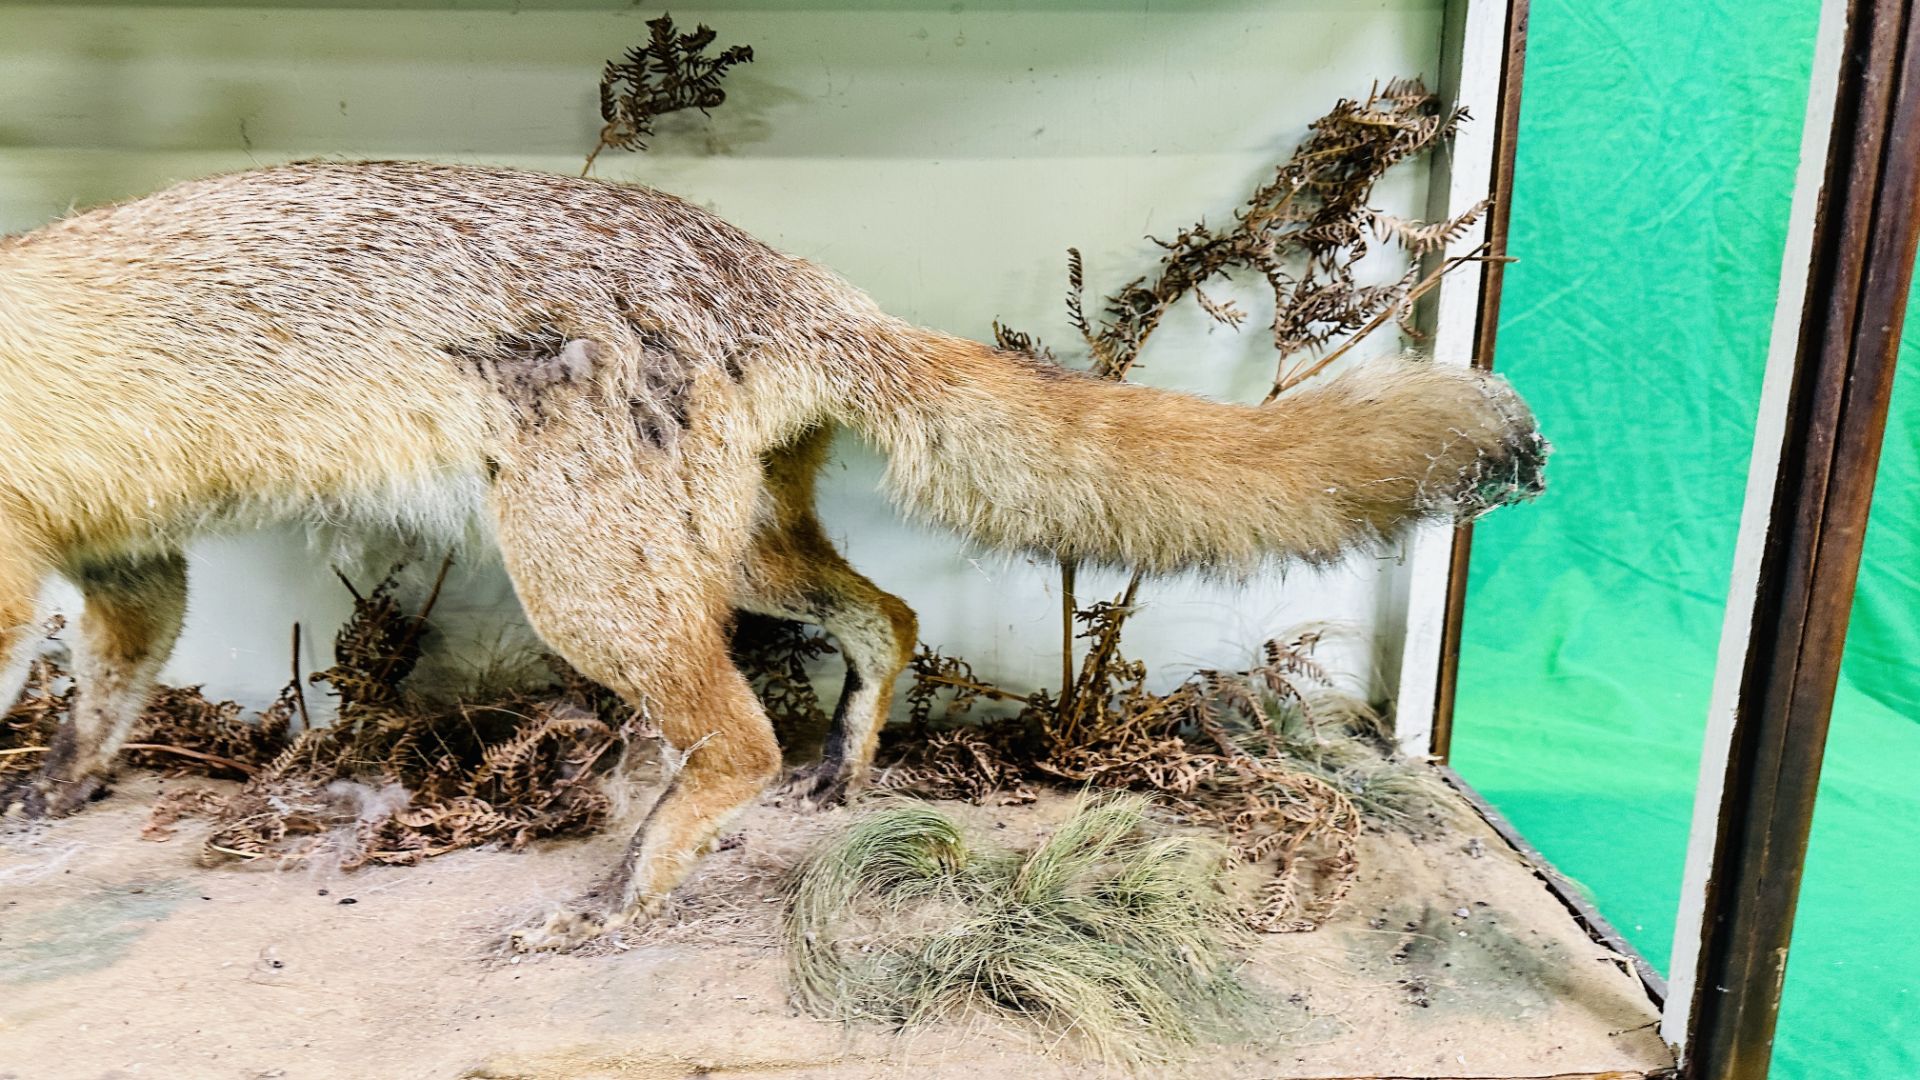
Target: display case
x=945 y=159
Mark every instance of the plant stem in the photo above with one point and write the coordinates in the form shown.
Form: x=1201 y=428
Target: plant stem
x=418 y=623
x=299 y=695
x=594 y=153
x=1287 y=382
x=992 y=693
x=211 y=759
x=1068 y=606
x=1093 y=672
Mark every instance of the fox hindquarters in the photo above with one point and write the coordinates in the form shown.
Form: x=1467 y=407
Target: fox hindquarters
x=631 y=397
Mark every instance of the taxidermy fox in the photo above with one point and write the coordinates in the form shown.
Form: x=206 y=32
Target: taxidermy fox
x=632 y=397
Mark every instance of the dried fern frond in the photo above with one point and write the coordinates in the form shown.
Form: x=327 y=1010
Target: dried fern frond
x=378 y=646
x=395 y=779
x=1006 y=337
x=1303 y=232
x=936 y=675
x=774 y=654
x=1285 y=765
x=224 y=740
x=967 y=763
x=670 y=73
x=402 y=788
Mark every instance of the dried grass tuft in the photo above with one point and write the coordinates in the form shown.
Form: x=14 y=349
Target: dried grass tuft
x=1110 y=931
x=1288 y=767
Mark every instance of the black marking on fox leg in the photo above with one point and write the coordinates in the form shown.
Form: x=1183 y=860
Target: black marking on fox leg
x=833 y=755
x=824 y=782
x=121 y=575
x=64 y=751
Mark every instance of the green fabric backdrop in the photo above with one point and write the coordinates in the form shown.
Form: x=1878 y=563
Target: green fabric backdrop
x=1658 y=143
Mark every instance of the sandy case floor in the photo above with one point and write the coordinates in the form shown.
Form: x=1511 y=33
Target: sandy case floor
x=122 y=957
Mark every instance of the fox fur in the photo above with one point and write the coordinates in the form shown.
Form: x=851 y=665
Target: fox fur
x=629 y=397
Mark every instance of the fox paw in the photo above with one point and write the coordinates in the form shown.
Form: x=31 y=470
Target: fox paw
x=45 y=797
x=817 y=786
x=566 y=930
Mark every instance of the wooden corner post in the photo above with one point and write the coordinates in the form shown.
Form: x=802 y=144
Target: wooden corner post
x=1817 y=446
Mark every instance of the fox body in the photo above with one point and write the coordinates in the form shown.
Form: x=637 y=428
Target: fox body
x=630 y=398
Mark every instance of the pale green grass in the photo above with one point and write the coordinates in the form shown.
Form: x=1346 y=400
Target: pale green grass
x=1110 y=931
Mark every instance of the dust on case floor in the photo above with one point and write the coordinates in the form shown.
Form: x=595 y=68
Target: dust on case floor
x=123 y=958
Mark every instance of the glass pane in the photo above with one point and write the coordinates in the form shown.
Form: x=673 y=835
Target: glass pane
x=1657 y=152
x=1656 y=158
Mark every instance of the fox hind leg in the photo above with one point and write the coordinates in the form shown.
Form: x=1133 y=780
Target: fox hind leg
x=134 y=606
x=797 y=575
x=709 y=719
x=794 y=572
x=626 y=574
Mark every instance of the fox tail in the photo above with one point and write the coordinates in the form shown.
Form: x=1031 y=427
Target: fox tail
x=1022 y=455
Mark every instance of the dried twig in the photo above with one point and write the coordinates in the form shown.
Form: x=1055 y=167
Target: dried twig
x=228 y=763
